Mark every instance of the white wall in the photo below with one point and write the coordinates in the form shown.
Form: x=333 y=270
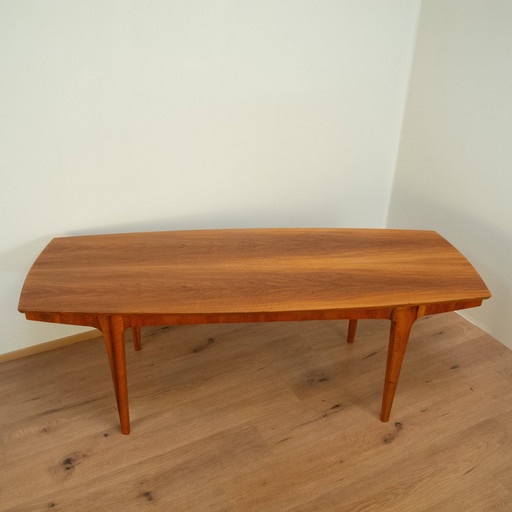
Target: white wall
x=121 y=115
x=454 y=169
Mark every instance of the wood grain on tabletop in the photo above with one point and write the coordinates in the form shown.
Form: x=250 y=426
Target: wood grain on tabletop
x=247 y=270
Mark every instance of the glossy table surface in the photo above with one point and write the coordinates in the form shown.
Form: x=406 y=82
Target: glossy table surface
x=247 y=271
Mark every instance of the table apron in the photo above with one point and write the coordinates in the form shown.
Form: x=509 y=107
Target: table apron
x=141 y=320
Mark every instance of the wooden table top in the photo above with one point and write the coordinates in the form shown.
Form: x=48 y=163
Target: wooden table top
x=247 y=271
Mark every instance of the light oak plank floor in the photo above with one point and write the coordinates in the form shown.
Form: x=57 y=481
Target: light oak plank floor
x=263 y=417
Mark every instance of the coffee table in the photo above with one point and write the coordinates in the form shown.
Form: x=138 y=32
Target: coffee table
x=119 y=281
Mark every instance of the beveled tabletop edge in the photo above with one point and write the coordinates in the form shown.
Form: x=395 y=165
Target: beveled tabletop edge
x=147 y=319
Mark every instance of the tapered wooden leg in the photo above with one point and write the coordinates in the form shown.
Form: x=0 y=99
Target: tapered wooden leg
x=352 y=327
x=136 y=338
x=401 y=323
x=105 y=329
x=113 y=332
x=119 y=358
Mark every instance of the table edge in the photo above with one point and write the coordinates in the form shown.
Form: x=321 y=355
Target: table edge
x=148 y=319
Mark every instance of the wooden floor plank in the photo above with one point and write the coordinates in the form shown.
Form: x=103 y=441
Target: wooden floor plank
x=275 y=417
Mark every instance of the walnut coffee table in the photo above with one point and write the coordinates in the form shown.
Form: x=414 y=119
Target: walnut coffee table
x=113 y=282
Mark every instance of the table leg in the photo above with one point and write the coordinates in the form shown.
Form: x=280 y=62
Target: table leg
x=113 y=332
x=352 y=326
x=105 y=329
x=136 y=338
x=401 y=324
